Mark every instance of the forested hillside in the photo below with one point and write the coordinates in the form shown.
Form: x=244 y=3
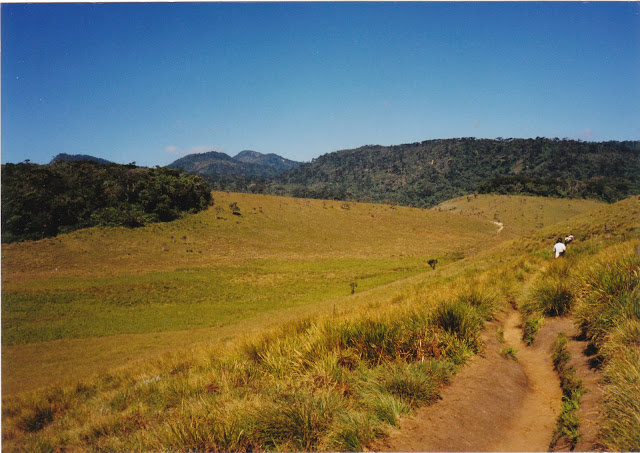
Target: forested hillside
x=40 y=201
x=426 y=173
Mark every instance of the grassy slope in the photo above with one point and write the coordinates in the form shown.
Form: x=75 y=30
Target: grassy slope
x=253 y=398
x=87 y=301
x=519 y=213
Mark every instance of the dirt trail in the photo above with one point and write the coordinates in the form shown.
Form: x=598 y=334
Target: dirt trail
x=494 y=403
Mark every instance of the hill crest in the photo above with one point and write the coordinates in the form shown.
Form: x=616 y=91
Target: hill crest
x=245 y=163
x=64 y=157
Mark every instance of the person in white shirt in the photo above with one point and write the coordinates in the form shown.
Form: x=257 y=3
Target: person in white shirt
x=559 y=248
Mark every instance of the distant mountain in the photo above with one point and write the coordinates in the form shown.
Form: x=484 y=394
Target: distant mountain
x=63 y=157
x=246 y=163
x=268 y=160
x=427 y=173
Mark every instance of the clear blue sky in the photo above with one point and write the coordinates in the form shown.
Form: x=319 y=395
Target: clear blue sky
x=151 y=82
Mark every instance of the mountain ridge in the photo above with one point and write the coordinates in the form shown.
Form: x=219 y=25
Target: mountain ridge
x=246 y=163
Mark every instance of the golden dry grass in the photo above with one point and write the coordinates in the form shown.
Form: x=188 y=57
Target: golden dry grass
x=81 y=303
x=519 y=213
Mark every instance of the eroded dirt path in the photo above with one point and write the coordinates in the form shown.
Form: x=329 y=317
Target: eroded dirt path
x=494 y=403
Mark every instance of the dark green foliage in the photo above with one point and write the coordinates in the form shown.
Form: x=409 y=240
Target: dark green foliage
x=427 y=173
x=601 y=188
x=41 y=201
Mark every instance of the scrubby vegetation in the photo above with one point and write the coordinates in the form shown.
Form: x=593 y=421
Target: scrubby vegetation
x=40 y=201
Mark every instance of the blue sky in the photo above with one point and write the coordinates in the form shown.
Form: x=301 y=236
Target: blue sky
x=151 y=82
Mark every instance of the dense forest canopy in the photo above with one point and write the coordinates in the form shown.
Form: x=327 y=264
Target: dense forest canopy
x=40 y=201
x=426 y=173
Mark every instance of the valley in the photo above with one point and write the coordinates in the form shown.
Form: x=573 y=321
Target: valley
x=116 y=337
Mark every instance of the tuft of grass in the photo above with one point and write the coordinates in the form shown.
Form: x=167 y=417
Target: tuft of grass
x=411 y=383
x=552 y=294
x=459 y=319
x=36 y=418
x=297 y=421
x=510 y=353
x=554 y=298
x=531 y=326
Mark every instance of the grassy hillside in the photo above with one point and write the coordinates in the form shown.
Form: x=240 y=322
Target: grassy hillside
x=334 y=379
x=83 y=302
x=518 y=213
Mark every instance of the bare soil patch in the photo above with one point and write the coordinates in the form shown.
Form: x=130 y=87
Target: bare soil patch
x=494 y=403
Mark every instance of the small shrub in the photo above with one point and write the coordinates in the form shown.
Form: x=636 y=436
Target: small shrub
x=387 y=408
x=351 y=432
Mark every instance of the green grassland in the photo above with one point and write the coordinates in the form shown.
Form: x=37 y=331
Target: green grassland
x=280 y=355
x=117 y=287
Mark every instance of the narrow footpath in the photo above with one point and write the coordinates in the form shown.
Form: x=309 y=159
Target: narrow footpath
x=494 y=403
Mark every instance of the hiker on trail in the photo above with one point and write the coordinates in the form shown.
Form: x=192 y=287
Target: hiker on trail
x=559 y=248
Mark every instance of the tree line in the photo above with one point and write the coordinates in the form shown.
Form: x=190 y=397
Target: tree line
x=41 y=201
x=426 y=173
